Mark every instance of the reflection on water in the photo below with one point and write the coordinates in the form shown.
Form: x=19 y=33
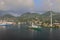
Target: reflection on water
x=51 y=35
x=18 y=32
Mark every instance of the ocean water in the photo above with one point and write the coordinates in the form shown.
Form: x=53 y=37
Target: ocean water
x=20 y=32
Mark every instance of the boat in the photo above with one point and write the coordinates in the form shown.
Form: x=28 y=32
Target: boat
x=4 y=24
x=35 y=27
x=51 y=23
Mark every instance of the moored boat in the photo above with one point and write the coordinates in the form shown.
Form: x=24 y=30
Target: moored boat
x=35 y=27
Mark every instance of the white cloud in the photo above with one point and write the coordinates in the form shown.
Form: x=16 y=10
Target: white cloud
x=14 y=4
x=55 y=5
x=29 y=4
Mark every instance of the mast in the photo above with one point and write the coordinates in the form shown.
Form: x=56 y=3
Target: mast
x=50 y=12
x=51 y=19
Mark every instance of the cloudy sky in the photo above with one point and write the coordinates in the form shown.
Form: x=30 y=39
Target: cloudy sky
x=30 y=5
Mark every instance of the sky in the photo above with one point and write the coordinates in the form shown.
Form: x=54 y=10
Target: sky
x=30 y=5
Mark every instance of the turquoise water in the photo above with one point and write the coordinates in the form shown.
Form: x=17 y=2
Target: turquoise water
x=21 y=32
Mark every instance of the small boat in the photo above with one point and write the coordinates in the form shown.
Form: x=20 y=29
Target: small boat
x=4 y=24
x=35 y=27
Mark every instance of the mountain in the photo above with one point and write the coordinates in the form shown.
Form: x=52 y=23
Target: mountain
x=29 y=16
x=48 y=13
x=2 y=12
x=14 y=13
x=8 y=17
x=44 y=17
x=55 y=16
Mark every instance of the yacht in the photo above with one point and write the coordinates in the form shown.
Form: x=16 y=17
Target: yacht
x=35 y=27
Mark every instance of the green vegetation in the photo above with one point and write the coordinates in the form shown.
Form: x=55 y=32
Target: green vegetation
x=45 y=17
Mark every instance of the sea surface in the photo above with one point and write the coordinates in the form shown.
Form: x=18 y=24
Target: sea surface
x=21 y=32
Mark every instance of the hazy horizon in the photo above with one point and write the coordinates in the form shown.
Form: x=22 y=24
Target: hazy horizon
x=17 y=7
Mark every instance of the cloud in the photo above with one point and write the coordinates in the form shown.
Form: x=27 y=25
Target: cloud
x=29 y=5
x=50 y=5
x=15 y=4
x=56 y=5
x=46 y=5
